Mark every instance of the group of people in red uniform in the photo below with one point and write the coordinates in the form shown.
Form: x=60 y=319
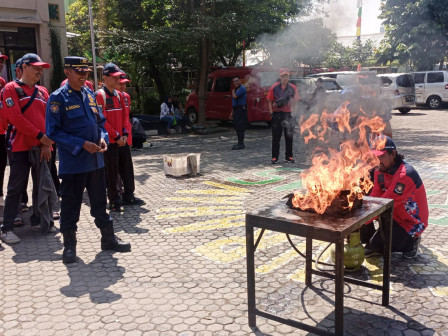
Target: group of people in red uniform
x=93 y=133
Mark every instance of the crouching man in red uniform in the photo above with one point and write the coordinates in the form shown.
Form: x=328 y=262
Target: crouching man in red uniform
x=398 y=180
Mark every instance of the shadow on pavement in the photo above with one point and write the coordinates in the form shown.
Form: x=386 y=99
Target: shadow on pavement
x=94 y=278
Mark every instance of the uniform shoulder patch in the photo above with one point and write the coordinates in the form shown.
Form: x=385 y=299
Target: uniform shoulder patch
x=9 y=102
x=399 y=188
x=54 y=107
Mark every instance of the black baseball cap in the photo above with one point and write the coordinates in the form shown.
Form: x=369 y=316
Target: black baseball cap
x=382 y=144
x=34 y=59
x=19 y=63
x=112 y=69
x=79 y=64
x=124 y=79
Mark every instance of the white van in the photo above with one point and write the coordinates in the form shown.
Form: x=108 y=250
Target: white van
x=431 y=88
x=399 y=90
x=366 y=80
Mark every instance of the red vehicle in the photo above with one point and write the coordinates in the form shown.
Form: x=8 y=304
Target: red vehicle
x=257 y=81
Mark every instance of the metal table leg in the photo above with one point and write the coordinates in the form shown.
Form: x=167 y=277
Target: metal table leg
x=386 y=220
x=339 y=288
x=308 y=261
x=250 y=251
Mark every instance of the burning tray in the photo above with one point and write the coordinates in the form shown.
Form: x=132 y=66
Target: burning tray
x=339 y=206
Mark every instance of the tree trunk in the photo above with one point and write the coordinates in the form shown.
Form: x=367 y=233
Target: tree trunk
x=203 y=76
x=155 y=74
x=204 y=63
x=442 y=60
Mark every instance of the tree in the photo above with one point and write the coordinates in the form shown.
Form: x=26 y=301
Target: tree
x=158 y=35
x=416 y=32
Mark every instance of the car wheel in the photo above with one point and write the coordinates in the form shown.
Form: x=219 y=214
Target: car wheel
x=434 y=102
x=404 y=110
x=192 y=115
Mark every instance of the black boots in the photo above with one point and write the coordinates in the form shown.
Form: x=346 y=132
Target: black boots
x=109 y=241
x=69 y=254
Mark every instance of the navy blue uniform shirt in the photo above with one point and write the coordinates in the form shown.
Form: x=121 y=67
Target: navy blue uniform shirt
x=241 y=94
x=71 y=119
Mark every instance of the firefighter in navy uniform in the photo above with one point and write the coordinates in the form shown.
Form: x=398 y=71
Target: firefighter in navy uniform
x=76 y=124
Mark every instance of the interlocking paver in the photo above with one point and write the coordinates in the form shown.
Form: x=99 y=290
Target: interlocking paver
x=186 y=273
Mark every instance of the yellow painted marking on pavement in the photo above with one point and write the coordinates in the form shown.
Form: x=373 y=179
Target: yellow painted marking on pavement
x=198 y=209
x=299 y=275
x=211 y=224
x=194 y=213
x=209 y=192
x=375 y=267
x=208 y=200
x=440 y=291
x=228 y=250
x=277 y=262
x=227 y=187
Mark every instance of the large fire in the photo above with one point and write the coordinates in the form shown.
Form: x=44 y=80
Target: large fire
x=340 y=171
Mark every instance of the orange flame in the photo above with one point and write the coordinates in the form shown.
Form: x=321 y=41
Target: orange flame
x=343 y=170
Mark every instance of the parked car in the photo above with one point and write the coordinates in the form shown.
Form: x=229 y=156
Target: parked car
x=257 y=80
x=399 y=89
x=366 y=80
x=431 y=88
x=307 y=85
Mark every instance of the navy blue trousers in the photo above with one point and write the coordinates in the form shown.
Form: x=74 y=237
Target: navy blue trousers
x=72 y=190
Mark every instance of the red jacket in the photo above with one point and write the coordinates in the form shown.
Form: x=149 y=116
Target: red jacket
x=405 y=187
x=127 y=105
x=276 y=91
x=115 y=113
x=2 y=121
x=29 y=126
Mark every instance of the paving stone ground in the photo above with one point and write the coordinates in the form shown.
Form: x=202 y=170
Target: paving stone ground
x=186 y=273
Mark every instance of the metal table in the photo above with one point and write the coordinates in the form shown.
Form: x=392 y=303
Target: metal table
x=334 y=229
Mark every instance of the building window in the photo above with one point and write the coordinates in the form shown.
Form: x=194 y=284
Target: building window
x=53 y=10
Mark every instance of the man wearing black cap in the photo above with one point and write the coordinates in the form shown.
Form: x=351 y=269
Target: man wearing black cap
x=24 y=105
x=396 y=179
x=76 y=124
x=118 y=158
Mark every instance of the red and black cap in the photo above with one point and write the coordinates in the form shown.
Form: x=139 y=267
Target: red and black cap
x=124 y=79
x=112 y=69
x=382 y=144
x=3 y=56
x=34 y=59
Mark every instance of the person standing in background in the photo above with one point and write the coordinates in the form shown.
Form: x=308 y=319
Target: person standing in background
x=239 y=111
x=283 y=97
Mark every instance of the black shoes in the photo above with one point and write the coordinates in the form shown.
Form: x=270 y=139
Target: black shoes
x=274 y=160
x=238 y=146
x=69 y=253
x=289 y=159
x=109 y=241
x=414 y=252
x=133 y=201
x=115 y=207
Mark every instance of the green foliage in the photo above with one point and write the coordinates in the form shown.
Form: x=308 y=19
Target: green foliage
x=340 y=57
x=416 y=31
x=150 y=39
x=57 y=74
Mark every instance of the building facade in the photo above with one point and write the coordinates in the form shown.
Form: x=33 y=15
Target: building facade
x=26 y=26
